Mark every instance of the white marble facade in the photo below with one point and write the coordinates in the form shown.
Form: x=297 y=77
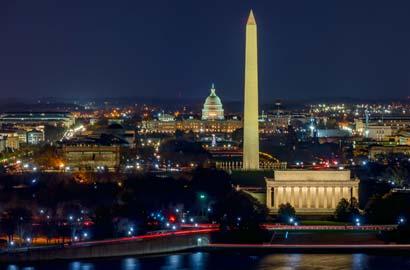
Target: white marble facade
x=310 y=191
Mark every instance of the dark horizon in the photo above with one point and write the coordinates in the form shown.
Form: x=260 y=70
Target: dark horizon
x=310 y=51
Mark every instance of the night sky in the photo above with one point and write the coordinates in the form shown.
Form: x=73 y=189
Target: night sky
x=177 y=48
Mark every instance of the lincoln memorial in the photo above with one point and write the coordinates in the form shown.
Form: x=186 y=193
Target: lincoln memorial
x=310 y=191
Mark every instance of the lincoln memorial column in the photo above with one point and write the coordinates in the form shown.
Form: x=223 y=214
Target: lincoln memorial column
x=275 y=197
x=269 y=197
x=356 y=192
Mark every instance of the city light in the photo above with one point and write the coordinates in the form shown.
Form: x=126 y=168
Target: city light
x=401 y=220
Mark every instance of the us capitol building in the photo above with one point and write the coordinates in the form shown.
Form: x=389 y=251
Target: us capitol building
x=213 y=109
x=212 y=120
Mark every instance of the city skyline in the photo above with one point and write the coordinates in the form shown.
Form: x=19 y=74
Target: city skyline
x=132 y=49
x=235 y=134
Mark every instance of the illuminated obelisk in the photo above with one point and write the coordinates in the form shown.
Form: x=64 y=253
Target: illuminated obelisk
x=250 y=122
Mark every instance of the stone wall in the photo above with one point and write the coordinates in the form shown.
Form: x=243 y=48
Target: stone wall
x=108 y=248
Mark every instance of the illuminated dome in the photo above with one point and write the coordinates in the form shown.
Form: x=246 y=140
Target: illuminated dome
x=213 y=109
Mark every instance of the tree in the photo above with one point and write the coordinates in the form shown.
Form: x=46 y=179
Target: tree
x=17 y=220
x=103 y=223
x=52 y=133
x=240 y=210
x=342 y=212
x=48 y=156
x=354 y=207
x=345 y=211
x=285 y=212
x=375 y=210
x=237 y=135
x=398 y=175
x=387 y=209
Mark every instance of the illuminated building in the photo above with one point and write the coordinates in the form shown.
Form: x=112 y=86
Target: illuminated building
x=376 y=150
x=35 y=136
x=22 y=133
x=2 y=144
x=310 y=191
x=37 y=118
x=380 y=127
x=213 y=109
x=93 y=153
x=250 y=126
x=92 y=157
x=379 y=132
x=194 y=125
x=403 y=137
x=11 y=138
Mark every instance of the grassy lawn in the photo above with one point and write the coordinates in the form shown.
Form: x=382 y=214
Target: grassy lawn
x=323 y=222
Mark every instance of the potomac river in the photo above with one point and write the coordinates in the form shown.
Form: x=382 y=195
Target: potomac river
x=227 y=261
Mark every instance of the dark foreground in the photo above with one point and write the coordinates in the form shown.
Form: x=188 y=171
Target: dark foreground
x=228 y=260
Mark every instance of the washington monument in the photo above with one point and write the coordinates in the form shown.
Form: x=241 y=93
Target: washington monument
x=250 y=123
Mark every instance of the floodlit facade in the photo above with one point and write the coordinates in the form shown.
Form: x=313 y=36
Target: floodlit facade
x=39 y=118
x=251 y=106
x=92 y=157
x=35 y=136
x=310 y=191
x=213 y=109
x=194 y=125
x=11 y=138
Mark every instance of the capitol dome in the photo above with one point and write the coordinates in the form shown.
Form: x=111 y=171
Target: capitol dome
x=213 y=109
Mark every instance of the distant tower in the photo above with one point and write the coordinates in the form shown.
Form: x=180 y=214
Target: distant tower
x=250 y=123
x=366 y=129
x=278 y=103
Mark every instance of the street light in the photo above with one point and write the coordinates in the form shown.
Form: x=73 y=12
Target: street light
x=401 y=220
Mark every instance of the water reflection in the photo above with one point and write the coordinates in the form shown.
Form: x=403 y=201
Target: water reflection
x=76 y=265
x=130 y=264
x=197 y=261
x=359 y=261
x=229 y=260
x=306 y=261
x=173 y=262
x=15 y=267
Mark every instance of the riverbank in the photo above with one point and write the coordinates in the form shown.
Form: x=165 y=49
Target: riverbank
x=167 y=242
x=205 y=240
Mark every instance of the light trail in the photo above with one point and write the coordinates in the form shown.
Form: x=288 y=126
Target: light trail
x=146 y=236
x=279 y=227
